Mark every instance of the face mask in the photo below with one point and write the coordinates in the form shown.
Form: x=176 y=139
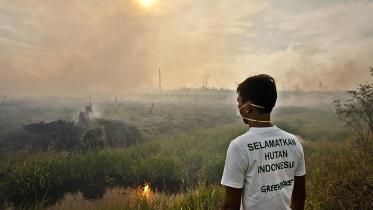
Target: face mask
x=238 y=113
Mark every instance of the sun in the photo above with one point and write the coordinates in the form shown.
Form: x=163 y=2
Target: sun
x=147 y=3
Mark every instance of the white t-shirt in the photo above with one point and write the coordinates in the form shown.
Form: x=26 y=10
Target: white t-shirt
x=264 y=161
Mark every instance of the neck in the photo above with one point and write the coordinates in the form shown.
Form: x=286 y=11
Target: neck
x=259 y=124
x=259 y=121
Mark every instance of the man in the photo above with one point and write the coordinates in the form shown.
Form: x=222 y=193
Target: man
x=264 y=167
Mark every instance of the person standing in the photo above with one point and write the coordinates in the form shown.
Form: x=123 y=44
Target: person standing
x=264 y=167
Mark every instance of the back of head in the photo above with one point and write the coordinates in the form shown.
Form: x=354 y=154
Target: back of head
x=260 y=90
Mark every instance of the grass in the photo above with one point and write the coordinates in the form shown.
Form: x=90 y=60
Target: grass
x=171 y=163
x=208 y=198
x=334 y=181
x=339 y=176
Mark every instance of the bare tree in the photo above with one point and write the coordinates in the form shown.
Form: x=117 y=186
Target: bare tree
x=357 y=112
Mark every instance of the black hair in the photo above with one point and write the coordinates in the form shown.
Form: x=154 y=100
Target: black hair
x=260 y=90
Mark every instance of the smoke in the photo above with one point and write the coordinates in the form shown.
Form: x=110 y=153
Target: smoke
x=317 y=48
x=95 y=47
x=302 y=67
x=74 y=47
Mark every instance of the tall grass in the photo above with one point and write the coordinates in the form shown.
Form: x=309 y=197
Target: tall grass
x=206 y=198
x=335 y=180
x=339 y=176
x=170 y=163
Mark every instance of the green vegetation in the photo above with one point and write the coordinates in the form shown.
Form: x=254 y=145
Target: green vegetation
x=182 y=156
x=170 y=164
x=191 y=161
x=338 y=176
x=357 y=112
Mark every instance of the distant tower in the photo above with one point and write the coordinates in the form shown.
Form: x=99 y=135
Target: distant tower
x=205 y=81
x=160 y=81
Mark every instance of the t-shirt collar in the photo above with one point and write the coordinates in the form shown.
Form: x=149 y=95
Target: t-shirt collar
x=262 y=129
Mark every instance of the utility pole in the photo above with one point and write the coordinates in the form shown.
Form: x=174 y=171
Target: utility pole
x=160 y=81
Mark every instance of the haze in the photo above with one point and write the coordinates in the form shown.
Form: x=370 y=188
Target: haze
x=80 y=47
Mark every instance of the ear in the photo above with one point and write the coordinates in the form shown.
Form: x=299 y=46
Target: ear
x=248 y=109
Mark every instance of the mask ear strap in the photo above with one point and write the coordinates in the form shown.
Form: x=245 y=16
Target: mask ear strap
x=262 y=107
x=262 y=121
x=243 y=106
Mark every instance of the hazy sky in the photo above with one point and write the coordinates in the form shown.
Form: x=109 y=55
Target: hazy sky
x=80 y=47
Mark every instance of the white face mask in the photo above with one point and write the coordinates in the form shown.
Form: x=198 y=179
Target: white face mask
x=238 y=113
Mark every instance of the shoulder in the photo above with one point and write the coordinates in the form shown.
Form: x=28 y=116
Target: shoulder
x=237 y=150
x=288 y=135
x=239 y=144
x=243 y=139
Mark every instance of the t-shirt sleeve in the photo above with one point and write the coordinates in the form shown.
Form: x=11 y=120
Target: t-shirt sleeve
x=300 y=169
x=234 y=168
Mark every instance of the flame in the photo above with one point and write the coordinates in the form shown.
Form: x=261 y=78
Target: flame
x=147 y=191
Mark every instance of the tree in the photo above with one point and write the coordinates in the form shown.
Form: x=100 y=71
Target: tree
x=357 y=112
